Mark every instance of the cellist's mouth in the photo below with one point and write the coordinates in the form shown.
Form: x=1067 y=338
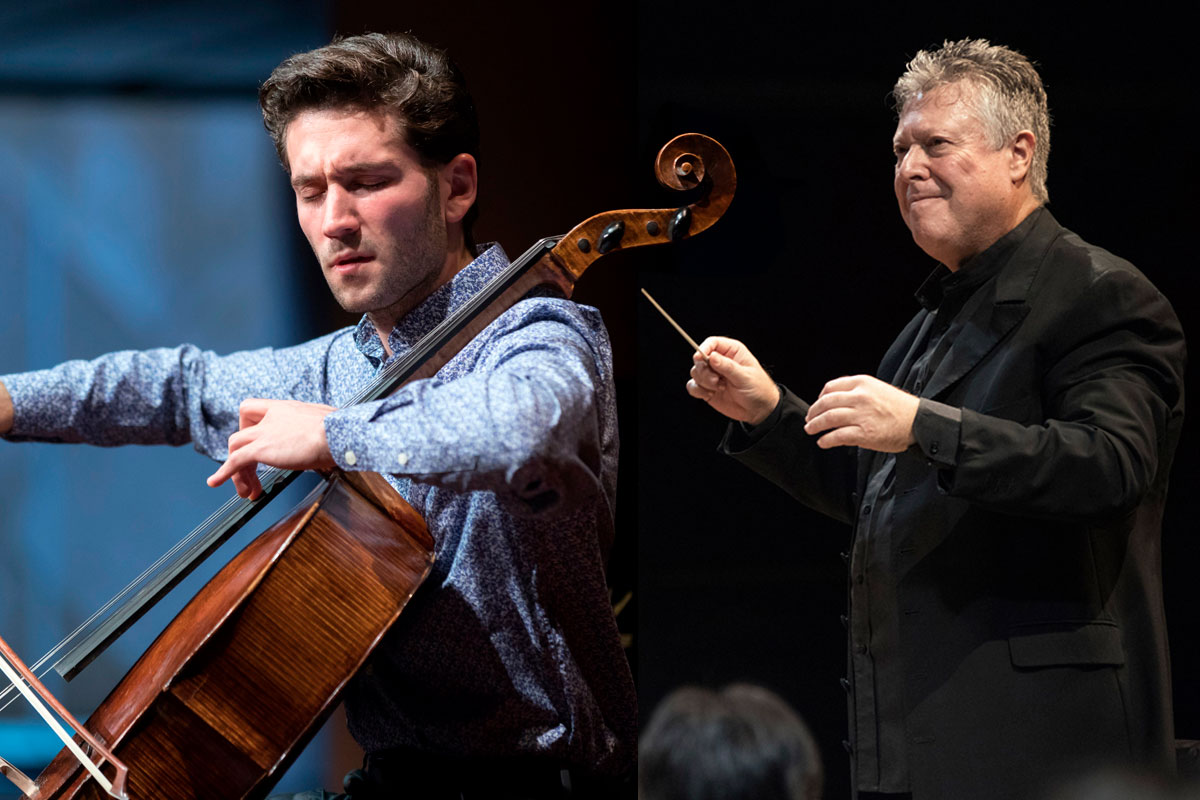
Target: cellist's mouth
x=349 y=261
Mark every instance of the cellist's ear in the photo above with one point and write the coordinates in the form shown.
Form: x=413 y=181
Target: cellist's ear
x=459 y=180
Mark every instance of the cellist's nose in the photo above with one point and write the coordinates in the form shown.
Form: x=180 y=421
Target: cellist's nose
x=340 y=217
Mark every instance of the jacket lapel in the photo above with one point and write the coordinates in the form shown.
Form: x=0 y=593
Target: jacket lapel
x=994 y=310
x=905 y=349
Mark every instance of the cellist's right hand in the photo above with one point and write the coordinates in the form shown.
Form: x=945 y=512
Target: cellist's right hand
x=732 y=381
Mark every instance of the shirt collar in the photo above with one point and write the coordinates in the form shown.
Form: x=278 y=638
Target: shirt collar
x=441 y=302
x=943 y=285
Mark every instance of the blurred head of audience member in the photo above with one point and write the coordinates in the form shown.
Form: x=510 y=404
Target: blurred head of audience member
x=741 y=742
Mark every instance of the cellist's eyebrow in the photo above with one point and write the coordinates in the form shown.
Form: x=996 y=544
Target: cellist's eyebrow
x=357 y=168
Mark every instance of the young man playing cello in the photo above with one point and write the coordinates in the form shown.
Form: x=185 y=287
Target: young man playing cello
x=505 y=676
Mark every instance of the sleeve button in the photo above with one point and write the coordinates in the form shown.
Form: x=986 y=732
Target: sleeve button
x=402 y=459
x=350 y=458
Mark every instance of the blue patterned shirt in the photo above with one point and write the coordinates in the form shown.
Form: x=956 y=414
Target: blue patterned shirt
x=509 y=453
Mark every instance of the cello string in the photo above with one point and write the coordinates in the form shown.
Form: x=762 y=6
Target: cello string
x=129 y=588
x=165 y=573
x=28 y=692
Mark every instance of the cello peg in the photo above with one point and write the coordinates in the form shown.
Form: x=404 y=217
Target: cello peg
x=611 y=236
x=680 y=224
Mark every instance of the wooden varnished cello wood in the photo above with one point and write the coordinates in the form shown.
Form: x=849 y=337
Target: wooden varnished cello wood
x=238 y=683
x=249 y=670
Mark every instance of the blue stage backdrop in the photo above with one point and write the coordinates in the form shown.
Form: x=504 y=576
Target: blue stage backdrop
x=142 y=206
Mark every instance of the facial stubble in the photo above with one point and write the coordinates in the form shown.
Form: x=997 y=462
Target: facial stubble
x=409 y=268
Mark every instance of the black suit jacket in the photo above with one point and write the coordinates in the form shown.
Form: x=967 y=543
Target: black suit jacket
x=1027 y=561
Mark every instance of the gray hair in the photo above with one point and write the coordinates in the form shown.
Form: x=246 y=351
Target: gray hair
x=1009 y=96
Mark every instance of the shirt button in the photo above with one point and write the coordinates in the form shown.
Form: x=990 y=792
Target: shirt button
x=859 y=579
x=866 y=509
x=861 y=649
x=845 y=684
x=402 y=459
x=350 y=458
x=846 y=745
x=933 y=448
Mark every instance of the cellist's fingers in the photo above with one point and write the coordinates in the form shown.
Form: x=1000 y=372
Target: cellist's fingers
x=236 y=467
x=286 y=434
x=251 y=411
x=246 y=483
x=237 y=459
x=245 y=479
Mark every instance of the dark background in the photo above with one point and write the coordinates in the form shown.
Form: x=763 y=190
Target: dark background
x=814 y=269
x=811 y=266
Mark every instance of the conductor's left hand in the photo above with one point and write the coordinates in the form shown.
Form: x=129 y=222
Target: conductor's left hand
x=279 y=433
x=863 y=411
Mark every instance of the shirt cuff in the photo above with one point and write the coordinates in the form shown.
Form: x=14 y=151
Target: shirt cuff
x=741 y=436
x=351 y=445
x=937 y=429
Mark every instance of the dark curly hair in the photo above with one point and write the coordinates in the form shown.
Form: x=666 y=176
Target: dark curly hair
x=396 y=73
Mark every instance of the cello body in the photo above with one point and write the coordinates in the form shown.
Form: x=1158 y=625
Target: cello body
x=234 y=687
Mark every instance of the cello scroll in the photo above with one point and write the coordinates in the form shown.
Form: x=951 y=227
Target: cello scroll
x=689 y=162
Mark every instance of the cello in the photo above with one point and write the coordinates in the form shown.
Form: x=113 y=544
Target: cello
x=220 y=705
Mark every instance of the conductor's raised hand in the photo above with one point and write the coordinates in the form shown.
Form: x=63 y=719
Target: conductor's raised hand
x=279 y=433
x=863 y=411
x=727 y=376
